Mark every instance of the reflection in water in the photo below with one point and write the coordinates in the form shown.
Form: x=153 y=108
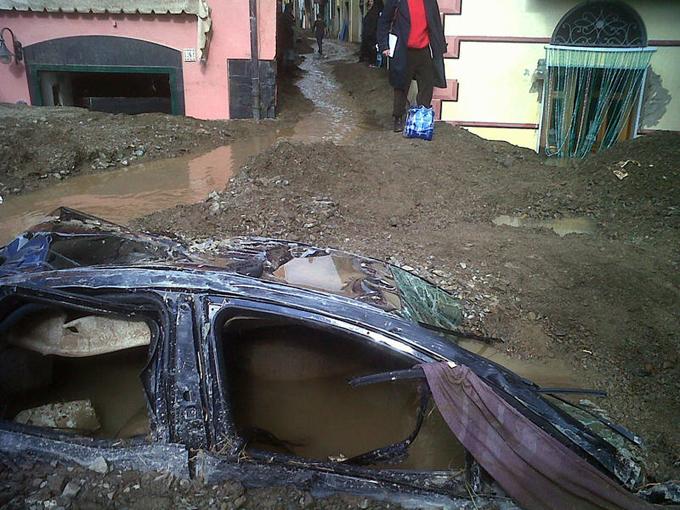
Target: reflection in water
x=561 y=227
x=127 y=193
x=123 y=194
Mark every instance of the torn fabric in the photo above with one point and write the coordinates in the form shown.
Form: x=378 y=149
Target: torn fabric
x=528 y=463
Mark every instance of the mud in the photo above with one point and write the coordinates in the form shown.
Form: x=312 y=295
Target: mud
x=602 y=305
x=599 y=308
x=25 y=483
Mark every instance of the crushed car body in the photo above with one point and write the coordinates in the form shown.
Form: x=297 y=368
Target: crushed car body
x=231 y=359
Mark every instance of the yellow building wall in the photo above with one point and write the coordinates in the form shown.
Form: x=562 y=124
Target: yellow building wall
x=496 y=79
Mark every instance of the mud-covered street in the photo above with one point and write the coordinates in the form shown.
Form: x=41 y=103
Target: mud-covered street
x=575 y=270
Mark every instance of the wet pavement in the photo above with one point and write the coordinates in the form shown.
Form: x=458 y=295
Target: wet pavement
x=124 y=194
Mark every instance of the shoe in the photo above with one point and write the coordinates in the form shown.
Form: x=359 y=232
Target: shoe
x=398 y=124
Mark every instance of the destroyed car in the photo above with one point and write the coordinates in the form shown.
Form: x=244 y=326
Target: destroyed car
x=262 y=360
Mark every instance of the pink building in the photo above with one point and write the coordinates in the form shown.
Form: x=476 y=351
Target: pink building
x=186 y=57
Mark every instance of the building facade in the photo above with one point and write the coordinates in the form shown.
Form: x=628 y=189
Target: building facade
x=503 y=68
x=188 y=57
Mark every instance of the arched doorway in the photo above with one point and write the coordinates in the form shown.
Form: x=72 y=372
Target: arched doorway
x=105 y=73
x=596 y=67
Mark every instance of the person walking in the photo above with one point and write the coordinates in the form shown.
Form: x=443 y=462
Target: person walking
x=419 y=51
x=369 y=31
x=319 y=32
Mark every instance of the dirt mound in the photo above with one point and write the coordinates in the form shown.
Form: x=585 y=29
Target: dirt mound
x=599 y=305
x=641 y=202
x=43 y=144
x=367 y=85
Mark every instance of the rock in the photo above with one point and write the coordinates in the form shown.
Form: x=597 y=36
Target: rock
x=667 y=365
x=99 y=465
x=56 y=482
x=531 y=316
x=71 y=490
x=240 y=501
x=394 y=222
x=306 y=500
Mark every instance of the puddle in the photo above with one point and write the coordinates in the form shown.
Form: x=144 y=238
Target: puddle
x=548 y=374
x=562 y=226
x=123 y=194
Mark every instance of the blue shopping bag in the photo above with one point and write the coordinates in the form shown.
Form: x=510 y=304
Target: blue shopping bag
x=419 y=123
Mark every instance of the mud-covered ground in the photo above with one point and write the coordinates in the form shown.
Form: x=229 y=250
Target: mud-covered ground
x=604 y=304
x=27 y=484
x=42 y=145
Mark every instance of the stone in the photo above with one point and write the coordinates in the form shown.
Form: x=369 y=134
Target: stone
x=56 y=482
x=240 y=501
x=99 y=465
x=71 y=490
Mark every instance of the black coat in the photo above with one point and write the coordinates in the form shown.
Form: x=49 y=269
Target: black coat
x=397 y=19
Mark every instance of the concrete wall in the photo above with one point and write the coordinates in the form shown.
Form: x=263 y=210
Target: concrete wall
x=494 y=47
x=205 y=85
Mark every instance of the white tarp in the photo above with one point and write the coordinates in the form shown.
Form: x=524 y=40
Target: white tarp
x=199 y=8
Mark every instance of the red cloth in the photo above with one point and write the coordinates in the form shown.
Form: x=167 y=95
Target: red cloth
x=533 y=467
x=418 y=37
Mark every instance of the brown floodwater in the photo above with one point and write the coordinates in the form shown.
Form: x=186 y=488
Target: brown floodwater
x=290 y=384
x=561 y=226
x=124 y=194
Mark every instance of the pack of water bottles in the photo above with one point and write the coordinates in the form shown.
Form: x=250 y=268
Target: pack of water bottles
x=419 y=123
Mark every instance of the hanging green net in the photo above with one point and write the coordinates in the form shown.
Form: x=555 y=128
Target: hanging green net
x=592 y=95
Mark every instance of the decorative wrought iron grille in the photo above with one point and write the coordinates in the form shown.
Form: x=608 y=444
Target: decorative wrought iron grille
x=608 y=24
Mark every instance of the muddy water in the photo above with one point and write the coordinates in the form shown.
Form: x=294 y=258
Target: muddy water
x=124 y=194
x=290 y=385
x=547 y=374
x=562 y=226
x=110 y=382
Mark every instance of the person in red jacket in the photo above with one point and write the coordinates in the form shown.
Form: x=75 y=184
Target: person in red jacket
x=419 y=51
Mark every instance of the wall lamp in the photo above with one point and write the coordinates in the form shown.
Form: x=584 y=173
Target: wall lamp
x=5 y=54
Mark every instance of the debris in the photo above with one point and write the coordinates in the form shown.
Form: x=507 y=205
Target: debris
x=99 y=465
x=86 y=336
x=71 y=490
x=75 y=415
x=620 y=174
x=662 y=493
x=624 y=164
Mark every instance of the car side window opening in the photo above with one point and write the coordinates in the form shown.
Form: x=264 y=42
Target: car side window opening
x=289 y=393
x=74 y=372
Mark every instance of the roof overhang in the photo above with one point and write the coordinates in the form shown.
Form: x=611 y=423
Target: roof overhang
x=198 y=8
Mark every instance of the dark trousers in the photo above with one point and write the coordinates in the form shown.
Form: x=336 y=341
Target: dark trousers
x=418 y=66
x=319 y=41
